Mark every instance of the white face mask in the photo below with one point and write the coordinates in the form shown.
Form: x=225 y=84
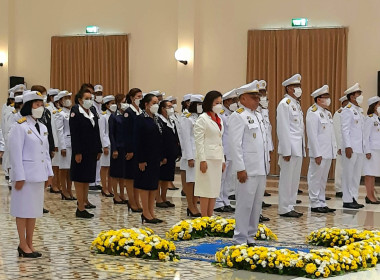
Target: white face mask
x=234 y=107
x=327 y=102
x=87 y=104
x=217 y=108
x=174 y=106
x=113 y=108
x=45 y=98
x=297 y=92
x=99 y=99
x=67 y=103
x=199 y=109
x=170 y=111
x=137 y=102
x=359 y=99
x=37 y=113
x=264 y=102
x=154 y=109
x=92 y=97
x=124 y=106
x=378 y=110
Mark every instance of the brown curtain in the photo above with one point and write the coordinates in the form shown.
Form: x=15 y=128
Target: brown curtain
x=90 y=59
x=319 y=55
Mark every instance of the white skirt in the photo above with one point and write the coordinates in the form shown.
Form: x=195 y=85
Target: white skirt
x=105 y=160
x=56 y=159
x=208 y=184
x=371 y=167
x=190 y=173
x=29 y=201
x=183 y=164
x=65 y=162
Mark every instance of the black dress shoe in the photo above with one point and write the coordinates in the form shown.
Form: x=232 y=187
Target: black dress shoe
x=298 y=201
x=106 y=194
x=265 y=205
x=45 y=211
x=360 y=205
x=161 y=205
x=299 y=191
x=291 y=214
x=99 y=187
x=263 y=219
x=38 y=254
x=159 y=221
x=118 y=202
x=232 y=197
x=91 y=206
x=53 y=191
x=368 y=201
x=183 y=193
x=21 y=253
x=251 y=244
x=330 y=209
x=267 y=193
x=83 y=214
x=220 y=209
x=339 y=194
x=169 y=204
x=149 y=221
x=173 y=189
x=350 y=205
x=327 y=198
x=229 y=208
x=189 y=213
x=319 y=210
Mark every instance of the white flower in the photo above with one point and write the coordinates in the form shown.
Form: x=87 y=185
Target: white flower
x=263 y=263
x=263 y=236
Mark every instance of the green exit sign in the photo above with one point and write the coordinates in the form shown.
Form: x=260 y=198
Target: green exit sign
x=92 y=29
x=299 y=22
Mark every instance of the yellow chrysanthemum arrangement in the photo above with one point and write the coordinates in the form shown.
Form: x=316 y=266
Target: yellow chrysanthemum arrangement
x=317 y=263
x=134 y=242
x=213 y=227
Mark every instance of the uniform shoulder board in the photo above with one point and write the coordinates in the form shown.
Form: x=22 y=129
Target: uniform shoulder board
x=47 y=105
x=104 y=112
x=12 y=105
x=20 y=121
x=188 y=115
x=60 y=110
x=240 y=110
x=349 y=106
x=314 y=108
x=14 y=111
x=371 y=115
x=288 y=101
x=340 y=111
x=55 y=111
x=222 y=111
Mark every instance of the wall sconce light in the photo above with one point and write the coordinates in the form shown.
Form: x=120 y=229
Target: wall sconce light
x=182 y=55
x=2 y=58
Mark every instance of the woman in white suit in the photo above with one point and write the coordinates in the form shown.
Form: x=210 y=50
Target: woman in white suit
x=30 y=169
x=210 y=163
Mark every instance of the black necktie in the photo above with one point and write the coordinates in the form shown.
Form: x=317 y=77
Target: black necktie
x=38 y=127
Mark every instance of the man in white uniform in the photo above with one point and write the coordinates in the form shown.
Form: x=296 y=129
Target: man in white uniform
x=338 y=136
x=352 y=122
x=291 y=146
x=222 y=203
x=322 y=148
x=248 y=148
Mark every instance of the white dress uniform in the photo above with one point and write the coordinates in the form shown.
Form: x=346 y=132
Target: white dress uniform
x=64 y=137
x=371 y=167
x=321 y=143
x=291 y=142
x=209 y=148
x=248 y=149
x=180 y=131
x=338 y=162
x=2 y=144
x=57 y=156
x=189 y=144
x=104 y=137
x=30 y=162
x=352 y=136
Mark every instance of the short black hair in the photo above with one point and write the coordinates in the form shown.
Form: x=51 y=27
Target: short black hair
x=26 y=109
x=162 y=105
x=349 y=96
x=146 y=99
x=80 y=94
x=132 y=93
x=371 y=108
x=193 y=107
x=209 y=100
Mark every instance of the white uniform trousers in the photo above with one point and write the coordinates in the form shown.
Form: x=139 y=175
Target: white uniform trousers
x=352 y=168
x=249 y=197
x=228 y=179
x=97 y=178
x=290 y=172
x=317 y=180
x=338 y=173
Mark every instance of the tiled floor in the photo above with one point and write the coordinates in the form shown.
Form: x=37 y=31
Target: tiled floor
x=65 y=240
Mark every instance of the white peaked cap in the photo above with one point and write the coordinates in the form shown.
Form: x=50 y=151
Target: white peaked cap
x=320 y=91
x=354 y=88
x=343 y=98
x=262 y=85
x=373 y=100
x=248 y=88
x=186 y=97
x=230 y=94
x=108 y=98
x=196 y=98
x=295 y=79
x=98 y=88
x=31 y=95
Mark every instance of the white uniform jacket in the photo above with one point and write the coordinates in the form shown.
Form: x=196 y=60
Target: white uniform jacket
x=265 y=114
x=208 y=139
x=371 y=133
x=104 y=129
x=29 y=156
x=188 y=135
x=225 y=115
x=290 y=128
x=247 y=138
x=352 y=128
x=320 y=133
x=338 y=128
x=63 y=128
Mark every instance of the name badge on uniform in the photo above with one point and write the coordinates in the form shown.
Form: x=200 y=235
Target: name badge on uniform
x=357 y=121
x=355 y=113
x=254 y=135
x=324 y=127
x=376 y=124
x=322 y=116
x=29 y=131
x=46 y=133
x=250 y=120
x=294 y=108
x=329 y=116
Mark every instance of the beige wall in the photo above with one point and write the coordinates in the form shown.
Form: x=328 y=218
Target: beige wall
x=215 y=29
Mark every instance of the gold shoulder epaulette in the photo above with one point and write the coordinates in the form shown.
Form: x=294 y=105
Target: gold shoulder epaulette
x=55 y=111
x=47 y=105
x=371 y=115
x=314 y=108
x=222 y=111
x=60 y=110
x=14 y=111
x=340 y=111
x=240 y=110
x=104 y=112
x=23 y=119
x=288 y=101
x=188 y=115
x=349 y=106
x=12 y=105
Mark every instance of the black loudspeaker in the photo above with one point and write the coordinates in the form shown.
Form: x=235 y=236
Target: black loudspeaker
x=378 y=83
x=14 y=81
